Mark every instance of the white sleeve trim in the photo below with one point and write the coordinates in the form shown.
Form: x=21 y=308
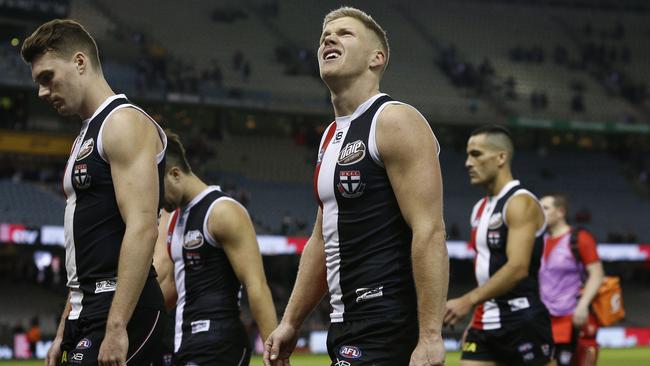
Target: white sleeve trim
x=541 y=230
x=373 y=149
x=208 y=236
x=161 y=133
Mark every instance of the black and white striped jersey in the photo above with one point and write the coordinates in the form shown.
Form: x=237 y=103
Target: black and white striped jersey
x=367 y=241
x=489 y=238
x=207 y=286
x=93 y=226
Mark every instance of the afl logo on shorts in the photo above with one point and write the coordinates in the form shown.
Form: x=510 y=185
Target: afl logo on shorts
x=350 y=185
x=84 y=344
x=86 y=149
x=350 y=352
x=352 y=152
x=496 y=220
x=80 y=176
x=193 y=239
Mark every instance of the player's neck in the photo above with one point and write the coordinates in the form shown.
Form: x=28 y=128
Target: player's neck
x=504 y=177
x=193 y=187
x=559 y=229
x=94 y=96
x=347 y=97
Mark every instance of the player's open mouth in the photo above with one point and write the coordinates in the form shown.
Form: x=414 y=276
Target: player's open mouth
x=331 y=54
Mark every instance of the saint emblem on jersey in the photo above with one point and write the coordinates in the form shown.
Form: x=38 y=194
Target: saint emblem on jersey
x=352 y=152
x=493 y=237
x=496 y=220
x=86 y=149
x=350 y=185
x=193 y=260
x=80 y=176
x=193 y=239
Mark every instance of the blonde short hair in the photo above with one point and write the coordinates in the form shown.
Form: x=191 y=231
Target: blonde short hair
x=367 y=20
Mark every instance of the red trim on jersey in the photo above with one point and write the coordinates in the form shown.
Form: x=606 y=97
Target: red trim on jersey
x=321 y=152
x=479 y=213
x=170 y=231
x=477 y=321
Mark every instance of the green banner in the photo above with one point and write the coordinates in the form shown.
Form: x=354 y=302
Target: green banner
x=560 y=124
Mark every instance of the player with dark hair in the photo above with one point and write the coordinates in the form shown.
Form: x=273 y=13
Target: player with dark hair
x=510 y=324
x=113 y=185
x=569 y=278
x=378 y=243
x=206 y=251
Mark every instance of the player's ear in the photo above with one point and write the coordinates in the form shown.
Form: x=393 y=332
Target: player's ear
x=503 y=158
x=174 y=173
x=378 y=59
x=81 y=61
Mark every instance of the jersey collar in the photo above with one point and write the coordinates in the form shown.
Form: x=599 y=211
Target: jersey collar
x=103 y=105
x=199 y=197
x=507 y=188
x=345 y=120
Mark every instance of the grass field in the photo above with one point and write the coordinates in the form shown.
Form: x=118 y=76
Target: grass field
x=608 y=357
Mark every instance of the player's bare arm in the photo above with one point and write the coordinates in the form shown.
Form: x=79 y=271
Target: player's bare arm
x=595 y=276
x=163 y=264
x=54 y=353
x=524 y=218
x=410 y=154
x=231 y=226
x=308 y=291
x=131 y=143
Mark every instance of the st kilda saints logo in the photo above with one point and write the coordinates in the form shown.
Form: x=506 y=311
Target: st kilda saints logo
x=80 y=176
x=352 y=152
x=350 y=185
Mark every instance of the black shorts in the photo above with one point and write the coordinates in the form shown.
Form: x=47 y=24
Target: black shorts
x=225 y=342
x=525 y=343
x=83 y=337
x=378 y=341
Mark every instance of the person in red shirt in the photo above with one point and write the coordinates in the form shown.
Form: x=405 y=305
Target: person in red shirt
x=569 y=280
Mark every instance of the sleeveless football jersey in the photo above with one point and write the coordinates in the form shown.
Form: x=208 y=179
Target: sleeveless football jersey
x=93 y=225
x=489 y=237
x=367 y=241
x=207 y=286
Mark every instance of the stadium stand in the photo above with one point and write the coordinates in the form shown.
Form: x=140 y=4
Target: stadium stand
x=28 y=204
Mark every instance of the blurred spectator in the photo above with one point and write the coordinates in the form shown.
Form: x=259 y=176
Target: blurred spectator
x=577 y=103
x=538 y=100
x=34 y=335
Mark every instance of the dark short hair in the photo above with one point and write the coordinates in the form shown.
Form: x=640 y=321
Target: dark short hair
x=175 y=153
x=499 y=133
x=493 y=130
x=63 y=36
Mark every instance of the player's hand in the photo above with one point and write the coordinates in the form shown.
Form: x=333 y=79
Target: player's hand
x=580 y=316
x=456 y=310
x=279 y=346
x=53 y=357
x=429 y=352
x=114 y=347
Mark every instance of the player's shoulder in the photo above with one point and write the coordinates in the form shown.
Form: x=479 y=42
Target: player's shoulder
x=522 y=206
x=400 y=126
x=397 y=114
